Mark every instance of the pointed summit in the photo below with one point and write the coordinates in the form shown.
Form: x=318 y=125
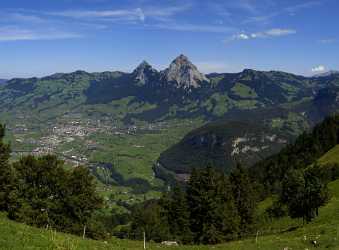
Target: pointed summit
x=144 y=73
x=181 y=59
x=184 y=73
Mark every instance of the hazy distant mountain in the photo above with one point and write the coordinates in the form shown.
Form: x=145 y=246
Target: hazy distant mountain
x=2 y=81
x=328 y=73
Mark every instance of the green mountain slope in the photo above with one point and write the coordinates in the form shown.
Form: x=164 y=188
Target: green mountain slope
x=330 y=157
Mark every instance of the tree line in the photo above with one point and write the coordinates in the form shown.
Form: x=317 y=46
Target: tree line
x=211 y=208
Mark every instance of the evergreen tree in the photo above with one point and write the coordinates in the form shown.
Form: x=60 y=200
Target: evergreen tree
x=244 y=197
x=293 y=187
x=148 y=218
x=213 y=217
x=6 y=172
x=176 y=210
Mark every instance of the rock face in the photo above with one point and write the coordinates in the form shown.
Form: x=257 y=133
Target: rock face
x=145 y=74
x=183 y=74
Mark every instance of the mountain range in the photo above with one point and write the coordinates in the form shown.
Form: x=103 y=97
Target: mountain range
x=180 y=91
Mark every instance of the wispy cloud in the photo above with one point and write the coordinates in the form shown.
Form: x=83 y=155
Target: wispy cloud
x=328 y=40
x=12 y=33
x=137 y=14
x=263 y=34
x=290 y=10
x=192 y=27
x=317 y=69
x=309 y=4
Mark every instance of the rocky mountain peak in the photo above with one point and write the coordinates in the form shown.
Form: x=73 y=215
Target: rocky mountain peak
x=144 y=73
x=182 y=59
x=184 y=73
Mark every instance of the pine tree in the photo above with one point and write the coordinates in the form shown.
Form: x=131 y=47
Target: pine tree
x=6 y=172
x=293 y=191
x=176 y=211
x=213 y=216
x=244 y=197
x=148 y=217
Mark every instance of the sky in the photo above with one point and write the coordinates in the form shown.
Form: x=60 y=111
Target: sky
x=42 y=37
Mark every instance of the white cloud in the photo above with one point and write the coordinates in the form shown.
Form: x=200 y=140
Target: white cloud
x=279 y=32
x=320 y=68
x=242 y=36
x=263 y=34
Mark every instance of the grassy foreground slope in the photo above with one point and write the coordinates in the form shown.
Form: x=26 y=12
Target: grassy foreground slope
x=331 y=156
x=324 y=229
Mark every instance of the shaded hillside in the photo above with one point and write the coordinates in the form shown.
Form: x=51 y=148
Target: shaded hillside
x=307 y=148
x=222 y=145
x=325 y=102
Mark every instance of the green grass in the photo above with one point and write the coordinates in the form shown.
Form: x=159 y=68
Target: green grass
x=331 y=156
x=292 y=235
x=244 y=91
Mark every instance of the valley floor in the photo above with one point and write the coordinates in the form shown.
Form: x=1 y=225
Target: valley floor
x=291 y=235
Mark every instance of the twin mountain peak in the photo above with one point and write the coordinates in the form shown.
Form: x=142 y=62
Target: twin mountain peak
x=181 y=73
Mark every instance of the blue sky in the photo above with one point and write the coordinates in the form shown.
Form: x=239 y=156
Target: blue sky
x=41 y=37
